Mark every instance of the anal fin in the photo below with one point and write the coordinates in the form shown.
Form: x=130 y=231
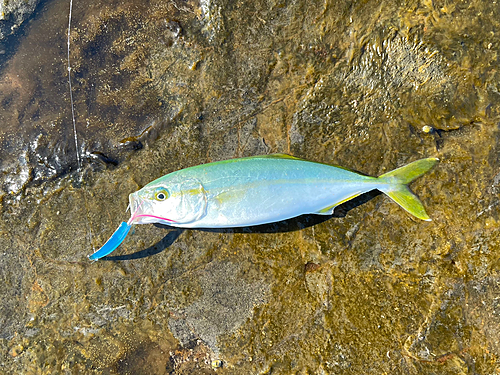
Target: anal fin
x=328 y=210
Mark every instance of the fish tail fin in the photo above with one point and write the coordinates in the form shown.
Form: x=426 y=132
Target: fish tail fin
x=394 y=184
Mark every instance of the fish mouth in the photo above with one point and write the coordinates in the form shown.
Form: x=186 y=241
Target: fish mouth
x=137 y=219
x=138 y=215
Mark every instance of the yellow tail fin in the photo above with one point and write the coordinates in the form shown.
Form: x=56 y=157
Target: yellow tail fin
x=394 y=185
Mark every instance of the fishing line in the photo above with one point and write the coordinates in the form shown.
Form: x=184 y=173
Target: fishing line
x=71 y=89
x=75 y=135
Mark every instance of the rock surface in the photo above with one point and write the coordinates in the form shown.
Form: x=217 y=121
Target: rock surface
x=13 y=13
x=159 y=86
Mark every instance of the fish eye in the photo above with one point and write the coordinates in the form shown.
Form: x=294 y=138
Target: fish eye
x=161 y=194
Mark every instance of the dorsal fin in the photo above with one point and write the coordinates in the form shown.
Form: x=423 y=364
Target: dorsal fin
x=277 y=156
x=286 y=156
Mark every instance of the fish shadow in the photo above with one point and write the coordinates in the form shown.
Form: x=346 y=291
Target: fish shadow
x=289 y=225
x=158 y=247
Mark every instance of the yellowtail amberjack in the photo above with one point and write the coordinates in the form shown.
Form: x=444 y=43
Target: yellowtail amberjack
x=259 y=190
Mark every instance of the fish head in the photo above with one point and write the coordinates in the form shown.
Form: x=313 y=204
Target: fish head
x=171 y=201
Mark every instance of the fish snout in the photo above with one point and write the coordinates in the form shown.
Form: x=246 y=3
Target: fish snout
x=133 y=200
x=135 y=208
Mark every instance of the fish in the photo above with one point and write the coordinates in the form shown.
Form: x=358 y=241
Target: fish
x=259 y=190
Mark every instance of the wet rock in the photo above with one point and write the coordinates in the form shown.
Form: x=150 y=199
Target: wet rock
x=159 y=86
x=13 y=13
x=224 y=303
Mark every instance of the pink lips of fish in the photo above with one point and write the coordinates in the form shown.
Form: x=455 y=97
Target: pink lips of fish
x=137 y=214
